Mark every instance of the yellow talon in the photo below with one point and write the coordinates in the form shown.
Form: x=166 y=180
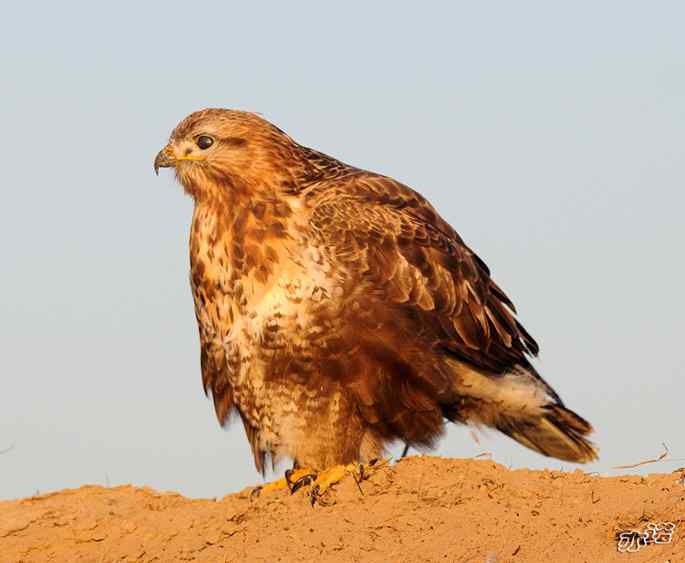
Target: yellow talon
x=326 y=479
x=286 y=482
x=318 y=483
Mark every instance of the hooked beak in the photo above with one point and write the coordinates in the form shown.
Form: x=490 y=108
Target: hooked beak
x=165 y=158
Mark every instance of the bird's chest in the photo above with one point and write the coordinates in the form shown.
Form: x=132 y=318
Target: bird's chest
x=256 y=299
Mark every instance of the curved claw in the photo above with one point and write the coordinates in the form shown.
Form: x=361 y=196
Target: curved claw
x=300 y=482
x=254 y=493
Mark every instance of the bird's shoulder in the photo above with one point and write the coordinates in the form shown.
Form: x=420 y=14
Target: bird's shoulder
x=390 y=237
x=372 y=208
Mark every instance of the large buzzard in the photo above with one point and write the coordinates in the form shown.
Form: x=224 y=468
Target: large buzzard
x=338 y=312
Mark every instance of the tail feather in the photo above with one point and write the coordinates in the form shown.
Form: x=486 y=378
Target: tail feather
x=558 y=433
x=522 y=406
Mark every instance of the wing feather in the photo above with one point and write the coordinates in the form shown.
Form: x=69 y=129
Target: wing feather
x=212 y=358
x=414 y=259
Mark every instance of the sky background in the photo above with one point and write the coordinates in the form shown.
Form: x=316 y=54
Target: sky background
x=551 y=135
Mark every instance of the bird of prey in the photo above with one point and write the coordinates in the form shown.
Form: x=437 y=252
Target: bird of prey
x=339 y=312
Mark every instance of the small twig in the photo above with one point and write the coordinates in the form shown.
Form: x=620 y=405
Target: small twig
x=359 y=482
x=647 y=461
x=7 y=450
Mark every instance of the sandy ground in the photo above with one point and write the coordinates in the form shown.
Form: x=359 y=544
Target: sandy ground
x=420 y=509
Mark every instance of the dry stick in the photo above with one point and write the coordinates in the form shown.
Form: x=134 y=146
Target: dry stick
x=474 y=437
x=7 y=450
x=647 y=461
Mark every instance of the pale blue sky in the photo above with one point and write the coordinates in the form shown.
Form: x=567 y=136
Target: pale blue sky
x=551 y=135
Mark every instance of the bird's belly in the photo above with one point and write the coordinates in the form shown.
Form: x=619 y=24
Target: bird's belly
x=269 y=351
x=280 y=393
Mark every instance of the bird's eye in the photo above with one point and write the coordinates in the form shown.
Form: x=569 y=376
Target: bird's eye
x=204 y=142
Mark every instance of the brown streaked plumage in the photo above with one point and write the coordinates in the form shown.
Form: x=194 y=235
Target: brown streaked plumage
x=338 y=312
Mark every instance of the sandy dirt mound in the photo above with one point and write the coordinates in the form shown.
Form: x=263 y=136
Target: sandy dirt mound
x=421 y=509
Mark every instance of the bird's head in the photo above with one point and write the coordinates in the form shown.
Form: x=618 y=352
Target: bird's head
x=221 y=150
